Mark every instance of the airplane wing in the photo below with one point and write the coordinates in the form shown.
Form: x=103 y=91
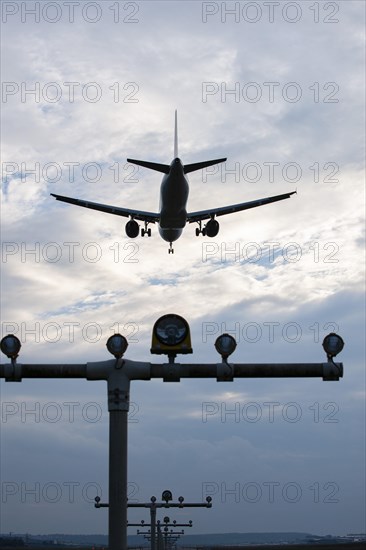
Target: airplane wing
x=150 y=217
x=206 y=214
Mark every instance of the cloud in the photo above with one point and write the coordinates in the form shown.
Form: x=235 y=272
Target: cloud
x=284 y=102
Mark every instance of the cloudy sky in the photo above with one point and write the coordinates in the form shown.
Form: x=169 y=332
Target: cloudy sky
x=278 y=89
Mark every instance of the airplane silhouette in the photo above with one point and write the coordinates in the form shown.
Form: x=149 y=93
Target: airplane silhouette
x=173 y=216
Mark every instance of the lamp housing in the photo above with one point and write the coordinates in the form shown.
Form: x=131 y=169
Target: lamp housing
x=117 y=345
x=167 y=495
x=171 y=335
x=225 y=345
x=10 y=346
x=332 y=345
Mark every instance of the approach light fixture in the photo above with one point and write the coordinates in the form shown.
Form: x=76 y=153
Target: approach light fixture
x=225 y=345
x=171 y=335
x=333 y=344
x=10 y=346
x=117 y=345
x=167 y=495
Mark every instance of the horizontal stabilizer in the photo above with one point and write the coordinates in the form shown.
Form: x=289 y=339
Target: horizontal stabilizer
x=199 y=165
x=164 y=168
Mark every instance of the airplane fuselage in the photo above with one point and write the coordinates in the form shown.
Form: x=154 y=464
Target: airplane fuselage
x=174 y=192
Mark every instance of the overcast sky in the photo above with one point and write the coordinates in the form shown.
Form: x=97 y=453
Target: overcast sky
x=278 y=89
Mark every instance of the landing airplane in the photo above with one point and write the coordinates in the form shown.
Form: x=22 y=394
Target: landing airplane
x=173 y=216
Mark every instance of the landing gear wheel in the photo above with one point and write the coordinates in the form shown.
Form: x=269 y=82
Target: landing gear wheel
x=146 y=231
x=200 y=230
x=171 y=249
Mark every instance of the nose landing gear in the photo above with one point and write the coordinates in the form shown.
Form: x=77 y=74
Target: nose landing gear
x=171 y=249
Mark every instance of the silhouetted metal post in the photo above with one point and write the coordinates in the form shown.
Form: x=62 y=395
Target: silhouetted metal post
x=153 y=506
x=153 y=527
x=117 y=477
x=118 y=373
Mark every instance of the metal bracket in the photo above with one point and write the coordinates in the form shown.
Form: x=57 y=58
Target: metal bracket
x=13 y=371
x=118 y=400
x=332 y=371
x=171 y=372
x=224 y=372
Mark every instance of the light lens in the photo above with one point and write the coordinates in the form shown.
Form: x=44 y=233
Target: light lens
x=171 y=329
x=333 y=344
x=117 y=345
x=225 y=345
x=10 y=346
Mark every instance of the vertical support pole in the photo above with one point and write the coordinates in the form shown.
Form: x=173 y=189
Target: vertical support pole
x=159 y=542
x=118 y=480
x=118 y=405
x=153 y=526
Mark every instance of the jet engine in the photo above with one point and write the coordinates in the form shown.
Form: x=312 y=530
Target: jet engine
x=132 y=229
x=212 y=228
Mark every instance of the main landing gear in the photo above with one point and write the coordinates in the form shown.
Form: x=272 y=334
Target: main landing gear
x=200 y=230
x=146 y=231
x=211 y=228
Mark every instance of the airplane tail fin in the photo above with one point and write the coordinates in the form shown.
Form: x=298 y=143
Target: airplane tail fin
x=164 y=168
x=175 y=135
x=199 y=165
